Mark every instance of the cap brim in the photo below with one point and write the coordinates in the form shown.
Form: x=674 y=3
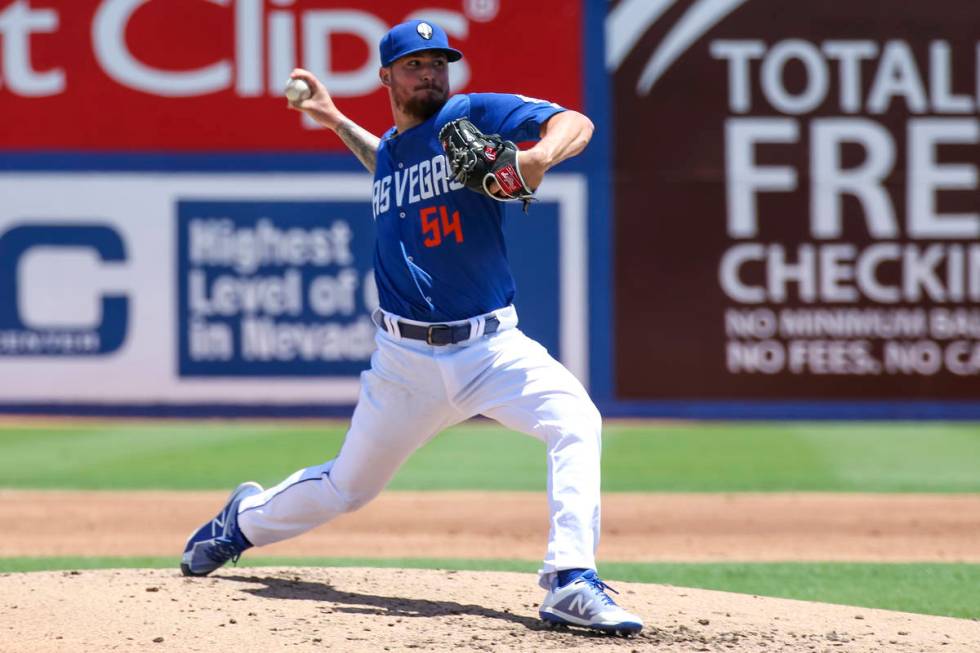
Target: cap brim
x=452 y=54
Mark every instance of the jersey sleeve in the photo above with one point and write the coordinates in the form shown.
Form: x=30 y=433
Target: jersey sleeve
x=514 y=117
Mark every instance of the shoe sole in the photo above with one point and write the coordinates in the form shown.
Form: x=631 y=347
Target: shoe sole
x=185 y=568
x=624 y=629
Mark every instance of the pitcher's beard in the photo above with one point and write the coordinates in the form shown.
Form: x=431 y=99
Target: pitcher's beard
x=424 y=107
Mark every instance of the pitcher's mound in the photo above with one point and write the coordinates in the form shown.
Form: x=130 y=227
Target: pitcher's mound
x=300 y=609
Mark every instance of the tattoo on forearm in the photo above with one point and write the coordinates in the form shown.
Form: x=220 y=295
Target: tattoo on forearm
x=361 y=142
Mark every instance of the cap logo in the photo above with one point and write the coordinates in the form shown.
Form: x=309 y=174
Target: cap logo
x=424 y=30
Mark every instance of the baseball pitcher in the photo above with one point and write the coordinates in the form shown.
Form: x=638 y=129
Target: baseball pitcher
x=448 y=346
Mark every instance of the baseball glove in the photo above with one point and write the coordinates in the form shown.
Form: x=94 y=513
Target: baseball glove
x=476 y=159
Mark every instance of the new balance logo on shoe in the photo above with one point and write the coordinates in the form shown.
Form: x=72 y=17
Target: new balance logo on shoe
x=581 y=605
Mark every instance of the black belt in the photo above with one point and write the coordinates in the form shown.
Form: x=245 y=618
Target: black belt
x=441 y=334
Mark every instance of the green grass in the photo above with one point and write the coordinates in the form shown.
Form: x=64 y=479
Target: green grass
x=690 y=457
x=938 y=589
x=801 y=456
x=637 y=457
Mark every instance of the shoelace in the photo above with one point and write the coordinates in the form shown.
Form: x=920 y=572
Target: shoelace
x=596 y=583
x=223 y=550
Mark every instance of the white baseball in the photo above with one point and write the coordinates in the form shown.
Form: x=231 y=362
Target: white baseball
x=297 y=90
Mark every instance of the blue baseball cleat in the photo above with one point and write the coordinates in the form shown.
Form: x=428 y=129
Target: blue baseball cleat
x=219 y=540
x=584 y=602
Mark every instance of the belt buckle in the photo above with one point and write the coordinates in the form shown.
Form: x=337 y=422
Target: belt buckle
x=428 y=333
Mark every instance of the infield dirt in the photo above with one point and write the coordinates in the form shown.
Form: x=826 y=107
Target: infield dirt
x=303 y=609
x=514 y=525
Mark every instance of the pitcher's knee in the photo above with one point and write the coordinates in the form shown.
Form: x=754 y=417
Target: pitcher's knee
x=593 y=418
x=351 y=501
x=584 y=426
x=587 y=421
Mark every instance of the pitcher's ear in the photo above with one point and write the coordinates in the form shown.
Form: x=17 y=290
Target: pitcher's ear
x=385 y=75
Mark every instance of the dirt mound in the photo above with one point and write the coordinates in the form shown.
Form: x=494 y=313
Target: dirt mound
x=300 y=609
x=636 y=527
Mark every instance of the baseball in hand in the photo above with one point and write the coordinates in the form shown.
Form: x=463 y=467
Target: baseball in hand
x=297 y=90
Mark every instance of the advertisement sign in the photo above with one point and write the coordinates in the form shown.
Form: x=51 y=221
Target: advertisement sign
x=206 y=75
x=130 y=289
x=797 y=200
x=274 y=288
x=23 y=262
x=166 y=239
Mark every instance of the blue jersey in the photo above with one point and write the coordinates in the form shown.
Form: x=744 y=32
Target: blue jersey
x=440 y=253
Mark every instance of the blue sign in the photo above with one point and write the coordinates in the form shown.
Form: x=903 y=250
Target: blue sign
x=20 y=339
x=533 y=248
x=280 y=288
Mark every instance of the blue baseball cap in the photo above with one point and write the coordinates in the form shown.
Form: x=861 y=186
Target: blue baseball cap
x=415 y=36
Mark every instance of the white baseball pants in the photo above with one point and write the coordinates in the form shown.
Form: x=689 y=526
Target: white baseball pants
x=412 y=392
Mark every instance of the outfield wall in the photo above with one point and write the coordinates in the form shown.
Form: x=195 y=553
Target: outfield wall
x=778 y=215
x=228 y=288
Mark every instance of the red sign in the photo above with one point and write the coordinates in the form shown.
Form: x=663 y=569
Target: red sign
x=194 y=75
x=797 y=204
